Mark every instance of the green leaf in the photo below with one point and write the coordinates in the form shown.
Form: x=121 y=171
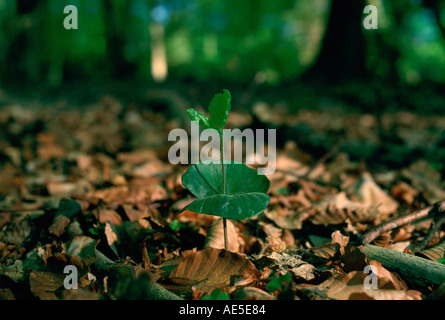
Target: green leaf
x=203 y=120
x=176 y=225
x=68 y=208
x=245 y=194
x=219 y=108
x=278 y=283
x=205 y=179
x=441 y=260
x=236 y=207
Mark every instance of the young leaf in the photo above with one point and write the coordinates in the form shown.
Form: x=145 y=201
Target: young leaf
x=245 y=194
x=203 y=120
x=219 y=108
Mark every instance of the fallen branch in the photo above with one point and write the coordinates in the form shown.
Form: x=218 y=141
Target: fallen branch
x=435 y=225
x=429 y=212
x=413 y=270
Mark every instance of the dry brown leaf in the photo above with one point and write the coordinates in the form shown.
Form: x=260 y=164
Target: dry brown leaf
x=325 y=251
x=104 y=215
x=404 y=192
x=301 y=271
x=372 y=196
x=134 y=214
x=342 y=240
x=434 y=253
x=59 y=261
x=111 y=195
x=137 y=157
x=47 y=147
x=16 y=232
x=60 y=188
x=350 y=287
x=215 y=236
x=44 y=284
x=59 y=224
x=208 y=269
x=328 y=250
x=425 y=179
x=384 y=274
x=286 y=218
x=336 y=209
x=4 y=219
x=111 y=237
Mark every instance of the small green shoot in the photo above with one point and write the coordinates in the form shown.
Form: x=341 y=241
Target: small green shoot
x=176 y=225
x=227 y=189
x=278 y=282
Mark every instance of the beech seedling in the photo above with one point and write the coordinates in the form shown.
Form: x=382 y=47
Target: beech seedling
x=227 y=189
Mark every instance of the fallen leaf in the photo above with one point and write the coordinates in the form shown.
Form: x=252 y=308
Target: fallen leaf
x=340 y=239
x=215 y=236
x=67 y=210
x=4 y=219
x=111 y=236
x=301 y=271
x=350 y=287
x=424 y=178
x=45 y=284
x=104 y=215
x=208 y=269
x=286 y=218
x=434 y=253
x=336 y=209
x=59 y=224
x=373 y=197
x=16 y=232
x=384 y=274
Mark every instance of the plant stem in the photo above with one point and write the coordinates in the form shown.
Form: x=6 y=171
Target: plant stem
x=226 y=242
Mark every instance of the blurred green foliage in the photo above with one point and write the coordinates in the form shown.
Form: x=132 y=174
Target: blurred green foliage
x=233 y=41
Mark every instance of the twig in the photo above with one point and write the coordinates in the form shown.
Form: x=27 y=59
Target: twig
x=429 y=212
x=435 y=225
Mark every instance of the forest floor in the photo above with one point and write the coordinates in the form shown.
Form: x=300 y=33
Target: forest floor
x=91 y=186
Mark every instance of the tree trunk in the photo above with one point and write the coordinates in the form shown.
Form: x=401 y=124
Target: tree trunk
x=115 y=41
x=342 y=54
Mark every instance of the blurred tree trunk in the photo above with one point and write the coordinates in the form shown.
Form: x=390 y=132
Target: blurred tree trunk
x=342 y=53
x=115 y=40
x=23 y=55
